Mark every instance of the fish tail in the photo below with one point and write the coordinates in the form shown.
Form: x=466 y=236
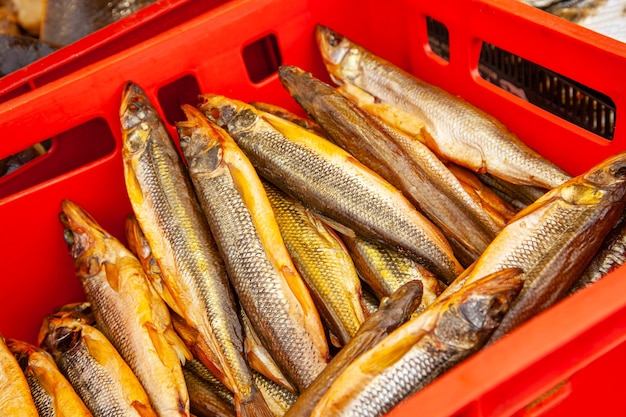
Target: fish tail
x=253 y=406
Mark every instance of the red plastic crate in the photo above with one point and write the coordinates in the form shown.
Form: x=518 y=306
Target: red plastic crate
x=567 y=361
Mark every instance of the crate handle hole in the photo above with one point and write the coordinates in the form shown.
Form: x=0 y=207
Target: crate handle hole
x=172 y=96
x=438 y=38
x=262 y=58
x=60 y=154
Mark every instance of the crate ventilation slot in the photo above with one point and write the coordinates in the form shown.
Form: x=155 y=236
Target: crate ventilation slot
x=438 y=39
x=184 y=90
x=561 y=96
x=64 y=152
x=262 y=58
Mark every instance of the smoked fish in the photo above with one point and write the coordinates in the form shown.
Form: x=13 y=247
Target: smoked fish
x=52 y=393
x=99 y=375
x=455 y=129
x=332 y=183
x=553 y=239
x=324 y=263
x=267 y=283
x=386 y=270
x=15 y=395
x=169 y=215
x=128 y=311
x=406 y=163
x=391 y=314
x=420 y=350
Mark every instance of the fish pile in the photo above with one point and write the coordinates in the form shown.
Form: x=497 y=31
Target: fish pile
x=333 y=264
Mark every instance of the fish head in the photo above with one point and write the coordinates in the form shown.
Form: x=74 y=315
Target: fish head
x=608 y=175
x=232 y=115
x=138 y=118
x=79 y=311
x=21 y=350
x=340 y=55
x=59 y=334
x=84 y=238
x=477 y=309
x=201 y=141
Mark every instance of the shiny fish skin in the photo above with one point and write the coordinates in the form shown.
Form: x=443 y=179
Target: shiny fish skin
x=259 y=358
x=208 y=397
x=52 y=393
x=553 y=239
x=169 y=215
x=268 y=286
x=611 y=254
x=127 y=309
x=403 y=161
x=386 y=270
x=323 y=262
x=15 y=396
x=420 y=350
x=393 y=312
x=99 y=375
x=456 y=130
x=331 y=182
x=278 y=398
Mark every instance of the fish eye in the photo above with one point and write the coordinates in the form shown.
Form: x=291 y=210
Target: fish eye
x=333 y=40
x=69 y=237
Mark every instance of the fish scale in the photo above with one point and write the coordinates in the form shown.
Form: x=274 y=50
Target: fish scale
x=92 y=382
x=268 y=286
x=407 y=376
x=171 y=219
x=338 y=187
x=457 y=130
x=420 y=350
x=260 y=292
x=323 y=262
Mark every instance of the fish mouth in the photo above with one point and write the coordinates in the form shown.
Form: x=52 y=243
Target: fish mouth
x=133 y=106
x=329 y=43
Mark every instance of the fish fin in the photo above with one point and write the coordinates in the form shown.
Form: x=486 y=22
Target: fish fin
x=183 y=353
x=143 y=410
x=253 y=406
x=431 y=143
x=334 y=340
x=113 y=275
x=162 y=346
x=385 y=358
x=344 y=230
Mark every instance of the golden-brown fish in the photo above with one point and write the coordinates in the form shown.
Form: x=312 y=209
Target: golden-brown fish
x=331 y=182
x=455 y=129
x=208 y=397
x=128 y=311
x=268 y=285
x=15 y=396
x=99 y=375
x=169 y=215
x=404 y=162
x=386 y=270
x=323 y=262
x=392 y=313
x=52 y=393
x=611 y=255
x=423 y=348
x=553 y=239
